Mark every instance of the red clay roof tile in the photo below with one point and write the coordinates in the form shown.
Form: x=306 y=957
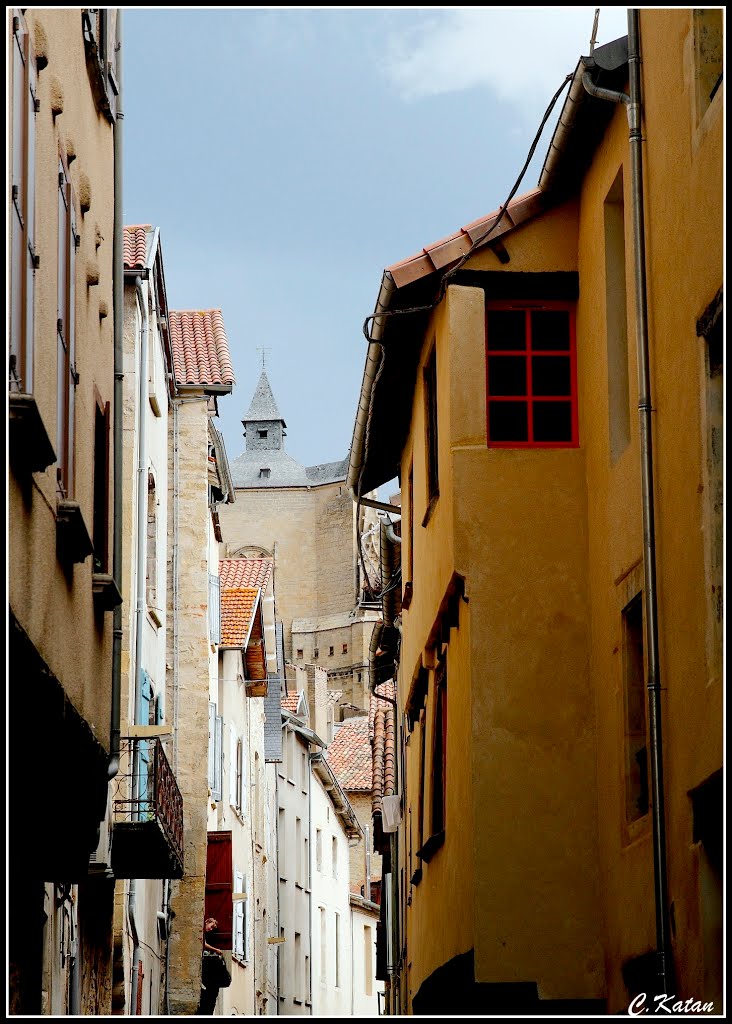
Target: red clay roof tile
x=200 y=347
x=349 y=755
x=245 y=572
x=134 y=245
x=237 y=608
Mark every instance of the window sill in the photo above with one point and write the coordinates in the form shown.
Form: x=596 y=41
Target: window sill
x=30 y=447
x=105 y=591
x=73 y=542
x=431 y=847
x=298 y=886
x=431 y=508
x=297 y=1002
x=291 y=782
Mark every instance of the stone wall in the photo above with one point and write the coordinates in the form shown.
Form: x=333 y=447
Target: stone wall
x=187 y=690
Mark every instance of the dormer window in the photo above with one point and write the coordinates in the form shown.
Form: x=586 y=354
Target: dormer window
x=264 y=472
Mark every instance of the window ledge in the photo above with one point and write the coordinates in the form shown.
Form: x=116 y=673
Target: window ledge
x=431 y=508
x=105 y=590
x=30 y=447
x=431 y=847
x=73 y=542
x=298 y=886
x=297 y=1002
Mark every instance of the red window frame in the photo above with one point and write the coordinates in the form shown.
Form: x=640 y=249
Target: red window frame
x=526 y=353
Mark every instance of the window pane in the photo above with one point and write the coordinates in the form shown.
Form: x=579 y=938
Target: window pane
x=550 y=329
x=552 y=421
x=550 y=375
x=506 y=375
x=507 y=421
x=507 y=329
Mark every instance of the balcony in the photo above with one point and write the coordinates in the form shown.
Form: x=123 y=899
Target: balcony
x=147 y=836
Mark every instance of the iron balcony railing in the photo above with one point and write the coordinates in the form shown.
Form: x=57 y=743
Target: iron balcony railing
x=147 y=794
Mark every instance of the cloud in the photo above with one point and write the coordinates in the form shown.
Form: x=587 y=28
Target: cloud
x=519 y=53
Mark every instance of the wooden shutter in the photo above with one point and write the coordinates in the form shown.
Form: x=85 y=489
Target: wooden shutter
x=218 y=758
x=244 y=774
x=239 y=915
x=233 y=766
x=219 y=878
x=211 y=745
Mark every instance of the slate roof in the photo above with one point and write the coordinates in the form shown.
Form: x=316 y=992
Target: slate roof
x=237 y=610
x=349 y=755
x=284 y=471
x=245 y=572
x=134 y=246
x=263 y=406
x=382 y=734
x=200 y=348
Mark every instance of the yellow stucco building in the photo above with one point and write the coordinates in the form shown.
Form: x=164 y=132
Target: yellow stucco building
x=553 y=408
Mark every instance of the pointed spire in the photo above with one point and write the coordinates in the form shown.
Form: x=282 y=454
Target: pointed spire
x=263 y=406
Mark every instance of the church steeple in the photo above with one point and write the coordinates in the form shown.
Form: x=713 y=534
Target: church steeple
x=264 y=427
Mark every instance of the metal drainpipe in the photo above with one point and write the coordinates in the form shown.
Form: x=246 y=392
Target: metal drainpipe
x=634 y=108
x=117 y=302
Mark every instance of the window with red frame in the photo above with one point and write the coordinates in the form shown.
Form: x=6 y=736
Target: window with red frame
x=531 y=375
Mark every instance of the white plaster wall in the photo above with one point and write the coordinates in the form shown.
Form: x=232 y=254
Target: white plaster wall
x=365 y=986
x=330 y=897
x=294 y=887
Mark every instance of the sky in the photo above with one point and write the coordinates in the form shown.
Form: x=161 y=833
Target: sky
x=288 y=155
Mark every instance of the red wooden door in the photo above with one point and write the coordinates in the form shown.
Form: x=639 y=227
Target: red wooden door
x=219 y=889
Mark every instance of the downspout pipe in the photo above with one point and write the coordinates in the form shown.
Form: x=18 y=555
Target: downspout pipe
x=634 y=108
x=118 y=306
x=140 y=574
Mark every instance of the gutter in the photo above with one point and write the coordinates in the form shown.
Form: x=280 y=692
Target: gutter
x=634 y=108
x=117 y=471
x=340 y=801
x=374 y=359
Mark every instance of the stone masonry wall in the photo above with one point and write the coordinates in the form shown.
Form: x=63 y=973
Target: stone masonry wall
x=188 y=667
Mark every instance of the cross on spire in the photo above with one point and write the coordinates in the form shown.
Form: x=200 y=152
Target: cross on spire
x=264 y=352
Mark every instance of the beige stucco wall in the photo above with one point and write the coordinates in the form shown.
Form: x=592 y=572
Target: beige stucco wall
x=683 y=190
x=512 y=523
x=55 y=606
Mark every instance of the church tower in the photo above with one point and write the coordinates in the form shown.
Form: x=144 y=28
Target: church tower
x=264 y=428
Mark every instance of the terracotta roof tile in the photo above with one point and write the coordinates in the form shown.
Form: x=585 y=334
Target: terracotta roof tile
x=381 y=728
x=237 y=608
x=447 y=250
x=200 y=347
x=134 y=246
x=245 y=572
x=349 y=755
x=290 y=701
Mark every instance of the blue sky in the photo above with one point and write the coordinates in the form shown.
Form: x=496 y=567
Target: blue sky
x=289 y=154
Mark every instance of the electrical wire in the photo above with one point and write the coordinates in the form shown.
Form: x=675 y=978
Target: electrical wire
x=482 y=238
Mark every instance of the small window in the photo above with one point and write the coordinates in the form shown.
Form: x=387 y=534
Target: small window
x=531 y=389
x=335 y=856
x=262 y=433
x=319 y=849
x=636 y=746
x=315 y=654
x=65 y=332
x=430 y=399
x=331 y=651
x=299 y=652
x=264 y=472
x=708 y=55
x=439 y=752
x=101 y=487
x=345 y=648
